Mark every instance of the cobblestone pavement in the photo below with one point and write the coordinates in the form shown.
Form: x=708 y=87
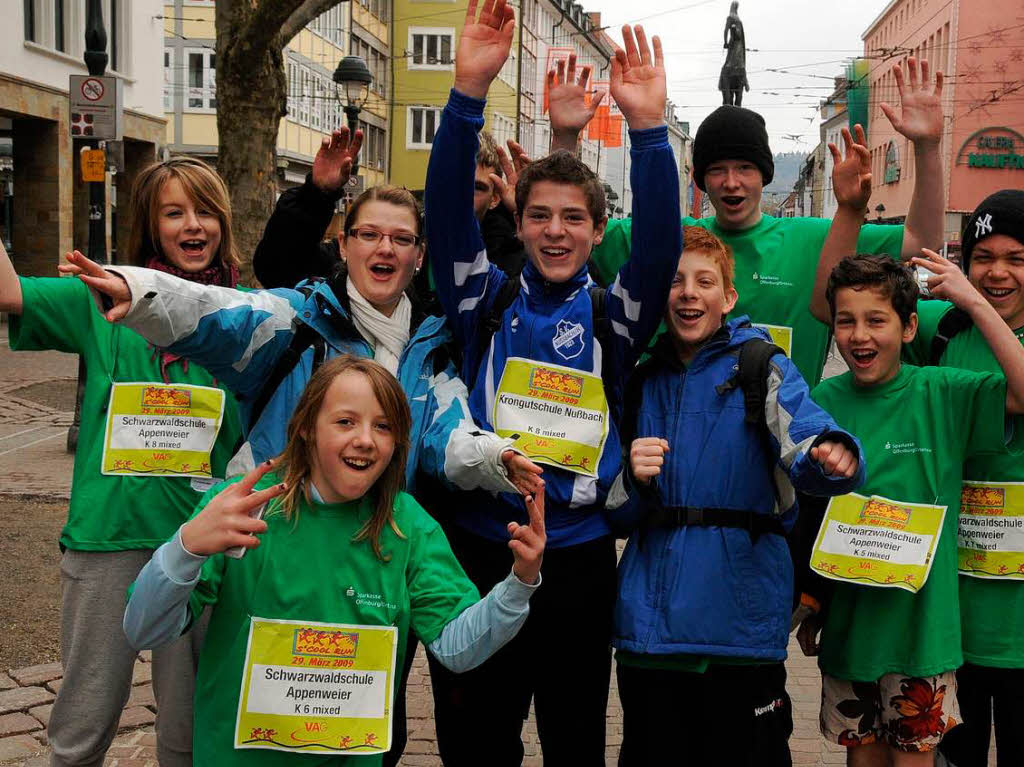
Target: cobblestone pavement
x=33 y=462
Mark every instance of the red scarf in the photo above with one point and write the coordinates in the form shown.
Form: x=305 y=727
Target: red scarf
x=214 y=274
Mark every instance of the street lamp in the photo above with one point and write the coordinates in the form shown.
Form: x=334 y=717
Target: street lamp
x=879 y=209
x=352 y=81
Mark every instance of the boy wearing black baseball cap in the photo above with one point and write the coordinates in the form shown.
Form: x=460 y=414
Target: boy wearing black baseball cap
x=991 y=540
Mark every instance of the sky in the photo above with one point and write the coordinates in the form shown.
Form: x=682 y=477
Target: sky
x=809 y=39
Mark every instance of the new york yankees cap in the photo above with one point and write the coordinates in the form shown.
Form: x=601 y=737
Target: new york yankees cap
x=999 y=213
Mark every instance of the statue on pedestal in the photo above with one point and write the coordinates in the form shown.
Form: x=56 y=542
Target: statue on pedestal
x=733 y=80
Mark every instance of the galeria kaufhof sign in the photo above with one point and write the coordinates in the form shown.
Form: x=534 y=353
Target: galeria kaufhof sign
x=993 y=148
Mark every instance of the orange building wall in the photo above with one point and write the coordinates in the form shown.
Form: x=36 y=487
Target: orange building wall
x=981 y=50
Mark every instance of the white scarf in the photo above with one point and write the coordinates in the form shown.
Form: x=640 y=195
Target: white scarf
x=387 y=335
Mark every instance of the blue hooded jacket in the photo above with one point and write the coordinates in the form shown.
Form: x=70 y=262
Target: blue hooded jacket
x=715 y=590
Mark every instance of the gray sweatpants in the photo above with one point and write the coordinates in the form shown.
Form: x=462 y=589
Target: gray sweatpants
x=98 y=664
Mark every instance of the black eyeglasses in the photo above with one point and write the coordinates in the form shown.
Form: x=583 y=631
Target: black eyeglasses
x=402 y=240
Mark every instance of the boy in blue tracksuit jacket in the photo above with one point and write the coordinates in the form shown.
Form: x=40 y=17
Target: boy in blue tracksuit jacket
x=706 y=580
x=545 y=382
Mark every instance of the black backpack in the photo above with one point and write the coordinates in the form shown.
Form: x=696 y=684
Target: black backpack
x=955 y=321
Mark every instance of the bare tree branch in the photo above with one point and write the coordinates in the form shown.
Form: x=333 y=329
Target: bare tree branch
x=304 y=14
x=267 y=18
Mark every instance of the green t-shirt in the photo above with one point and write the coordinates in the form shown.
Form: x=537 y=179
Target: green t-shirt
x=916 y=432
x=308 y=569
x=775 y=265
x=991 y=611
x=112 y=513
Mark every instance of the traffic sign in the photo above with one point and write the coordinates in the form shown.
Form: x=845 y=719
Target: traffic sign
x=96 y=107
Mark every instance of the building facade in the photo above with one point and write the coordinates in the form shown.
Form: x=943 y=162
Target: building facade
x=424 y=40
x=359 y=27
x=834 y=118
x=980 y=48
x=45 y=204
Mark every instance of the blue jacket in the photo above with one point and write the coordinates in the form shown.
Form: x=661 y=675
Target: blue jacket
x=548 y=322
x=714 y=590
x=240 y=336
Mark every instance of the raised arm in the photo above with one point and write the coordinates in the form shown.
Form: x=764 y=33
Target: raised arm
x=462 y=274
x=921 y=121
x=238 y=336
x=10 y=287
x=950 y=284
x=851 y=182
x=292 y=247
x=636 y=300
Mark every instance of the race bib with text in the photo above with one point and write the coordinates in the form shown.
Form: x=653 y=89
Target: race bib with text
x=990 y=540
x=162 y=430
x=877 y=541
x=555 y=415
x=320 y=688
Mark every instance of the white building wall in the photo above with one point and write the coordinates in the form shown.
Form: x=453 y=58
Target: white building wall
x=141 y=45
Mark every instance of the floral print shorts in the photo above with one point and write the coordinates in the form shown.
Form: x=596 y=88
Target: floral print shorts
x=907 y=713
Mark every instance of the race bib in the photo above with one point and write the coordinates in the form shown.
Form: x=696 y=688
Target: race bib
x=317 y=688
x=990 y=540
x=877 y=541
x=161 y=430
x=782 y=336
x=555 y=415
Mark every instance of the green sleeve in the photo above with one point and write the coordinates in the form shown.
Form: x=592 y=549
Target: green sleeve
x=881 y=239
x=613 y=251
x=438 y=586
x=978 y=400
x=929 y=314
x=56 y=314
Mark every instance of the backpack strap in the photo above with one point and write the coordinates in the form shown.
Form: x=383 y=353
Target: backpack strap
x=492 y=321
x=752 y=377
x=954 y=321
x=304 y=337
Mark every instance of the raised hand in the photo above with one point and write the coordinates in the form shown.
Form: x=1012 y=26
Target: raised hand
x=646 y=457
x=332 y=165
x=920 y=118
x=835 y=458
x=227 y=520
x=568 y=105
x=851 y=176
x=113 y=290
x=638 y=81
x=511 y=168
x=483 y=46
x=522 y=472
x=528 y=541
x=947 y=281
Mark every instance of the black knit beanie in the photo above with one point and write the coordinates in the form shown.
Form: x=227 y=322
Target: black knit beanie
x=732 y=133
x=999 y=213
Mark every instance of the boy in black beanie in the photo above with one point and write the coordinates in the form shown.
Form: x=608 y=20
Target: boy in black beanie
x=776 y=257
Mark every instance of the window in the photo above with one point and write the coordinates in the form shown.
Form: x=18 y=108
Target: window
x=30 y=20
x=58 y=26
x=316 y=111
x=202 y=81
x=168 y=79
x=421 y=125
x=431 y=48
x=293 y=90
x=374 y=151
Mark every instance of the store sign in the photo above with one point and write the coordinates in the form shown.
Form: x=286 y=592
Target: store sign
x=993 y=148
x=892 y=164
